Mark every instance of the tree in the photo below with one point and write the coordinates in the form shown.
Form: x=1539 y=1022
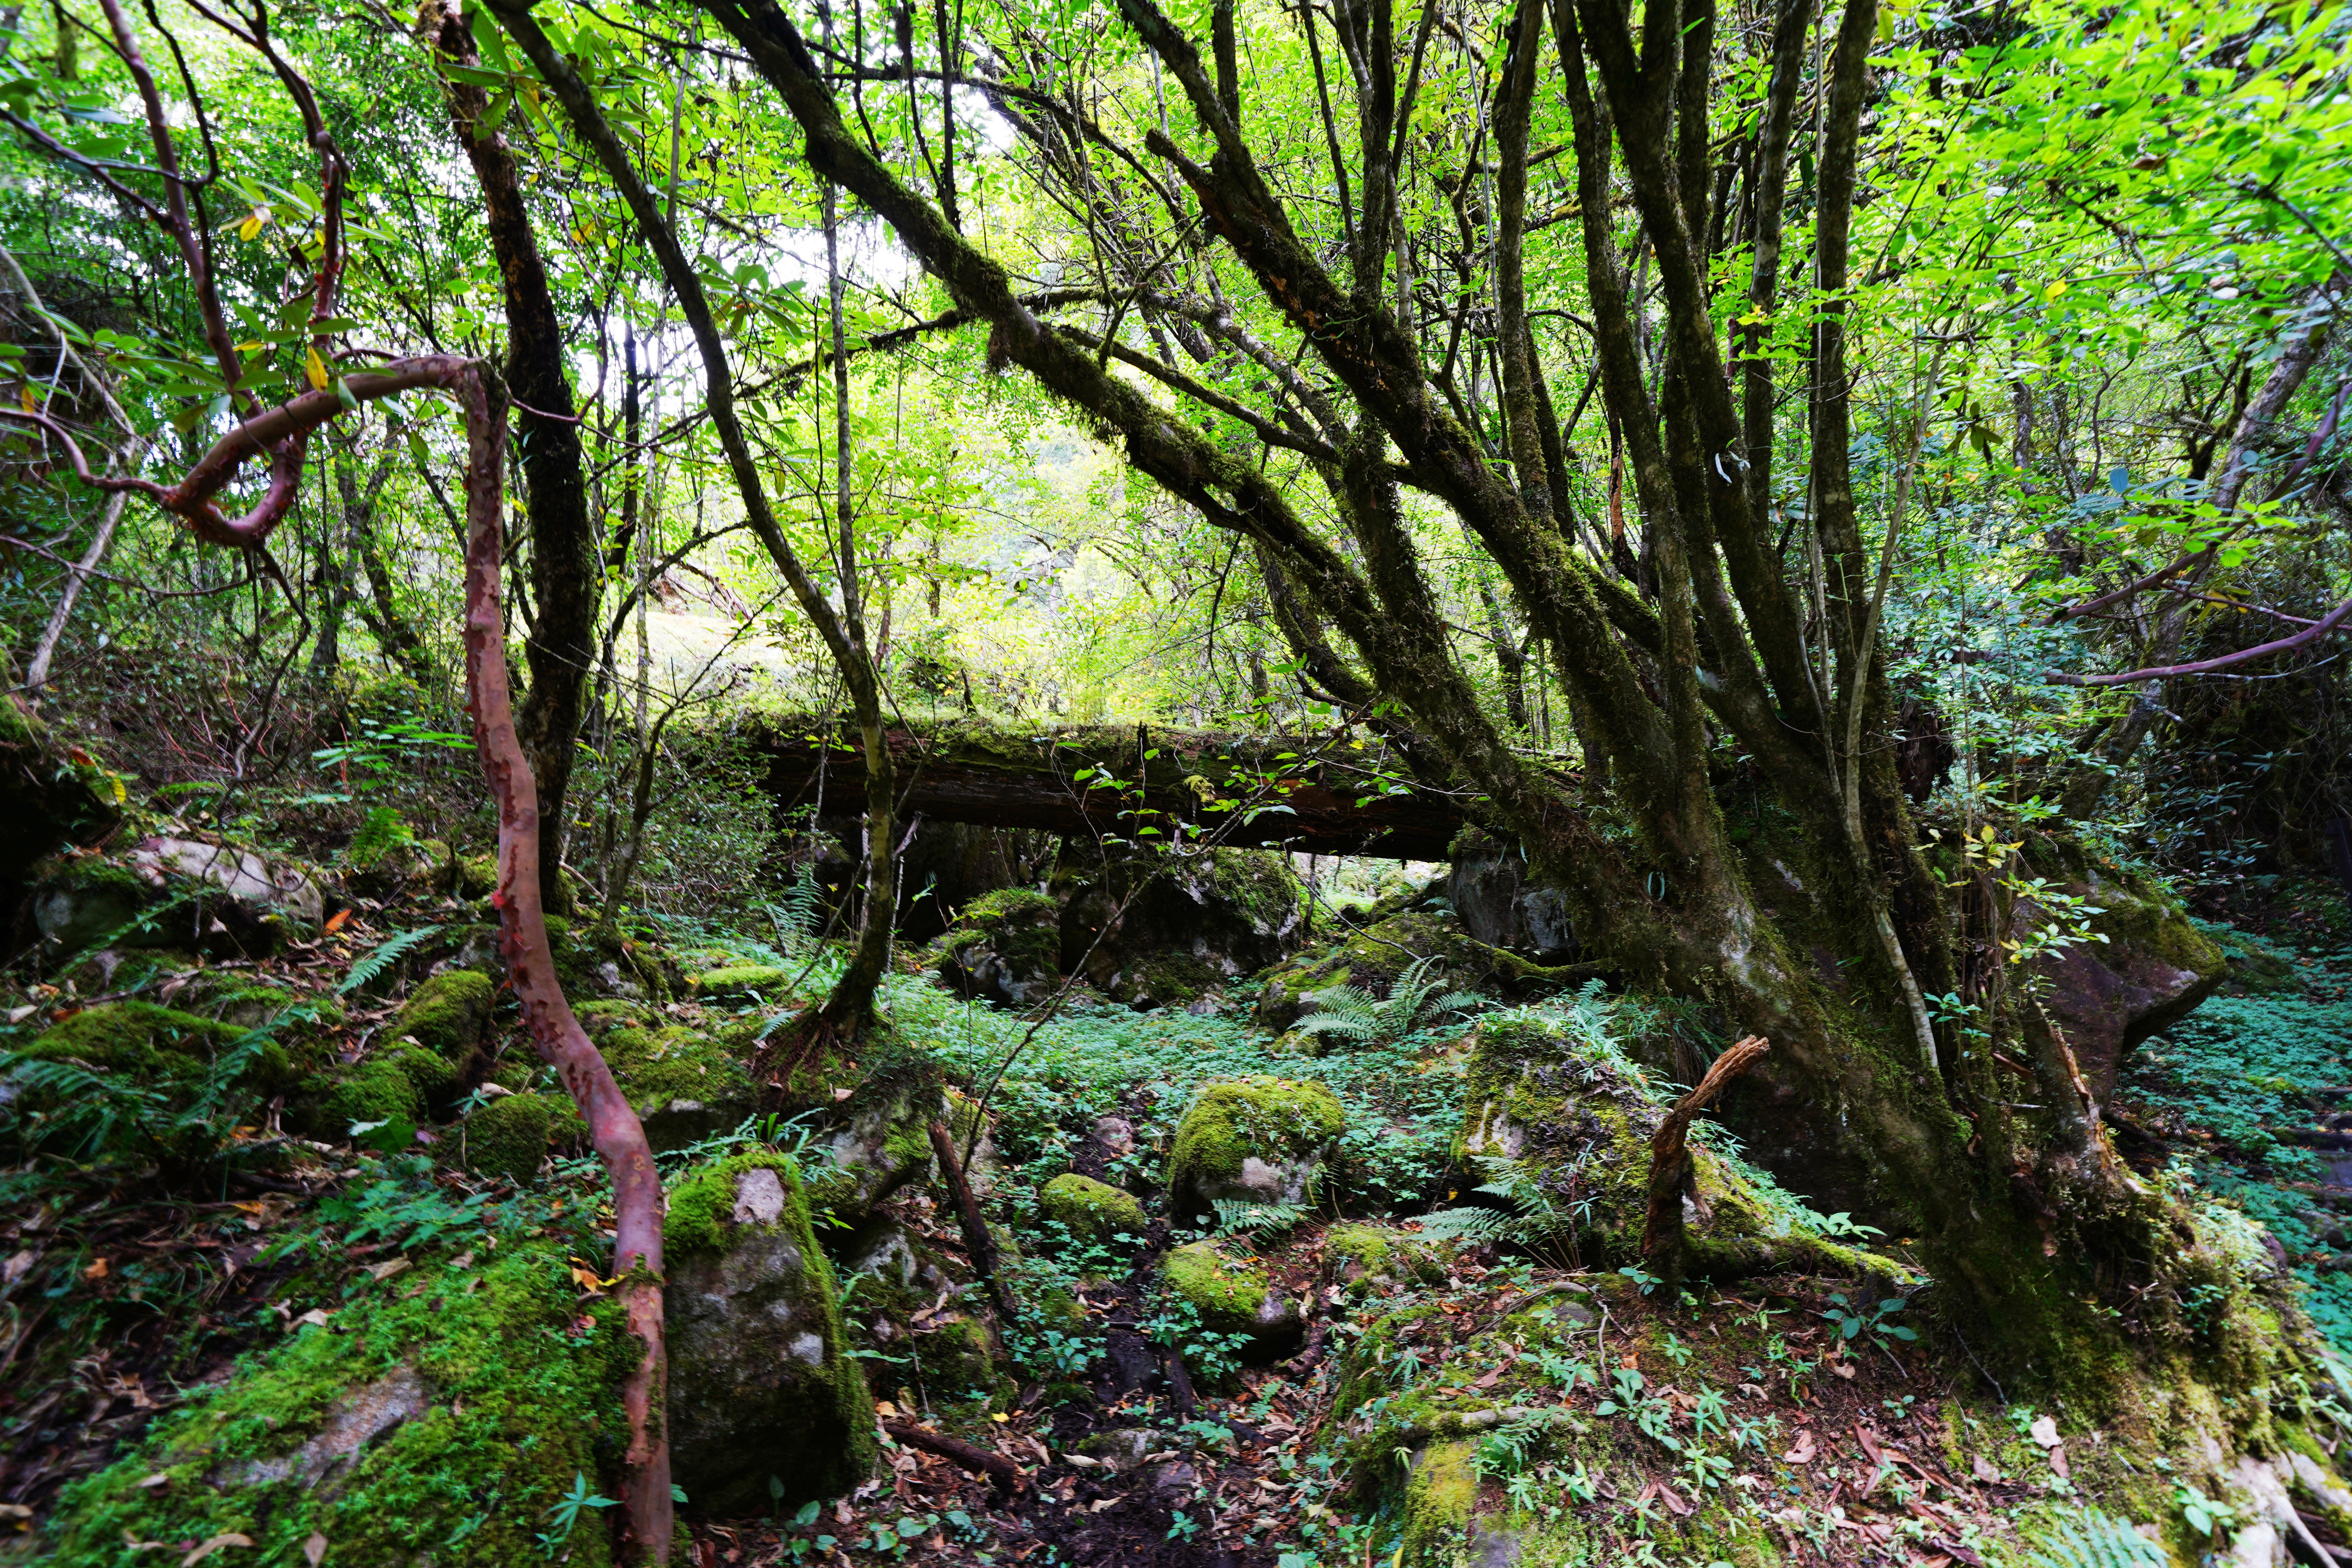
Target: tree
x=1721 y=653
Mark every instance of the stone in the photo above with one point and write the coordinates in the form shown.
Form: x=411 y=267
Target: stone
x=882 y=1145
x=508 y=1137
x=1092 y=1211
x=230 y=900
x=385 y=856
x=2146 y=966
x=1115 y=1135
x=360 y=1416
x=1366 y=1260
x=1492 y=894
x=761 y=1383
x=1119 y=1448
x=1370 y=957
x=51 y=794
x=1233 y=1295
x=1256 y=1140
x=1004 y=947
x=1153 y=932
x=685 y=1085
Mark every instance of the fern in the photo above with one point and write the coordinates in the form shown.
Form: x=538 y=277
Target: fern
x=1352 y=1013
x=2095 y=1538
x=1533 y=1220
x=383 y=956
x=1238 y=1217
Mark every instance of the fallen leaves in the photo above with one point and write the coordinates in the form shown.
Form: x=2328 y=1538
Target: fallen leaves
x=218 y=1543
x=1802 y=1454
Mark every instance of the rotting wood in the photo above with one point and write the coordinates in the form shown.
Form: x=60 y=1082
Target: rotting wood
x=1670 y=1160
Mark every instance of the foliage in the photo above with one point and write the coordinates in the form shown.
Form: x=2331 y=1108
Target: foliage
x=1354 y=1014
x=2096 y=1539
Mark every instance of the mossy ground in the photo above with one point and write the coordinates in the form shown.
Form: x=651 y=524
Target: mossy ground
x=517 y=1381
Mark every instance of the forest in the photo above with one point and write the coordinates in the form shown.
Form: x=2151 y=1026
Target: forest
x=1461 y=783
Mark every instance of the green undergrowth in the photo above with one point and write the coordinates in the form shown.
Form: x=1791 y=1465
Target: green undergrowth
x=2228 y=1081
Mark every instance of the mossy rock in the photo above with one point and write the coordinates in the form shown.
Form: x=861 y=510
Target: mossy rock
x=508 y=1137
x=450 y=1016
x=85 y=899
x=738 y=980
x=1258 y=1140
x=1233 y=1296
x=1153 y=934
x=50 y=793
x=1439 y=1495
x=685 y=1085
x=1004 y=947
x=1092 y=1211
x=152 y=1045
x=478 y=875
x=1374 y=1259
x=762 y=1386
x=1370 y=958
x=377 y=1089
x=1554 y=1092
x=440 y=1427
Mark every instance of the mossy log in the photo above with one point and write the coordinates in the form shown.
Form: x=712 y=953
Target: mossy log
x=1327 y=796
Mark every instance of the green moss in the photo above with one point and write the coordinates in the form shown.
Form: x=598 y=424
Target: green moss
x=1090 y=1209
x=1227 y=1293
x=508 y=1137
x=741 y=980
x=1439 y=1499
x=1269 y=1119
x=510 y=1392
x=1370 y=1258
x=1259 y=884
x=478 y=875
x=701 y=1202
x=449 y=1014
x=136 y=1038
x=683 y=1084
x=374 y=1091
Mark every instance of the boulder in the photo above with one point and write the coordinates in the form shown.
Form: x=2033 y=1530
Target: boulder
x=1370 y=958
x=685 y=1085
x=1233 y=1295
x=1373 y=1260
x=763 y=1391
x=882 y=1144
x=508 y=1137
x=1092 y=1211
x=1256 y=1140
x=498 y=1376
x=227 y=899
x=1499 y=904
x=2145 y=967
x=1155 y=931
x=51 y=795
x=1004 y=948
x=949 y=865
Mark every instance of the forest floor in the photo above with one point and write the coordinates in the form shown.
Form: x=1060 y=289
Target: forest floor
x=1755 y=1422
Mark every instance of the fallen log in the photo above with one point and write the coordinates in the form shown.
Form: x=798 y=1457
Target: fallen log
x=1331 y=795
x=978 y=1460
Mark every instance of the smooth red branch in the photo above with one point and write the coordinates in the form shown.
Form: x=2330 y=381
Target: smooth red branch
x=2315 y=632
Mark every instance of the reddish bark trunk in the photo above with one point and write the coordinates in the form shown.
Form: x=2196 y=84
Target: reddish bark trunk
x=612 y=1124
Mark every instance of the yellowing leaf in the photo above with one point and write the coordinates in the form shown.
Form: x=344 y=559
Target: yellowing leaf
x=25 y=396
x=315 y=369
x=2057 y=286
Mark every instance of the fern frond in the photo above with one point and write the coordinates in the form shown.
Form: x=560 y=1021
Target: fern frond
x=1239 y=1216
x=385 y=955
x=2096 y=1539
x=1470 y=1224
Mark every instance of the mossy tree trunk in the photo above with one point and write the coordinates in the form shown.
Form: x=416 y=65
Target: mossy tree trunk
x=2027 y=1215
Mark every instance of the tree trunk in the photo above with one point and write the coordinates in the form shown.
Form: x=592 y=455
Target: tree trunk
x=564 y=581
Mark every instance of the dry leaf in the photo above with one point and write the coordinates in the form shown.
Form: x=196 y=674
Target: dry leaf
x=1682 y=1509
x=1084 y=1461
x=885 y=1408
x=159 y=1478
x=97 y=1270
x=230 y=1538
x=2045 y=1432
x=1489 y=1381
x=314 y=1550
x=386 y=1270
x=1802 y=1454
x=337 y=920
x=316 y=1315
x=1981 y=1468
x=2058 y=1462
x=1844 y=1369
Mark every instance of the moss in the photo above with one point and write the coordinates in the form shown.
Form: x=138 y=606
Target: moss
x=508 y=1137
x=1090 y=1209
x=1228 y=1294
x=684 y=1085
x=1370 y=1258
x=1368 y=957
x=138 y=1039
x=478 y=875
x=449 y=1014
x=374 y=1091
x=1260 y=884
x=741 y=980
x=1439 y=1499
x=508 y=1383
x=1269 y=1119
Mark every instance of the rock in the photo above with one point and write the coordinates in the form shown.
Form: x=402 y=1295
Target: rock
x=1256 y=1140
x=137 y=1043
x=1115 y=1135
x=1004 y=948
x=2146 y=967
x=1552 y=1093
x=387 y=1430
x=1233 y=1295
x=762 y=1389
x=1119 y=1448
x=1491 y=894
x=948 y=865
x=685 y=1085
x=508 y=1137
x=739 y=980
x=1152 y=932
x=885 y=1145
x=1092 y=1211
x=1370 y=959
x=1377 y=1259
x=449 y=1014
x=222 y=899
x=51 y=794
